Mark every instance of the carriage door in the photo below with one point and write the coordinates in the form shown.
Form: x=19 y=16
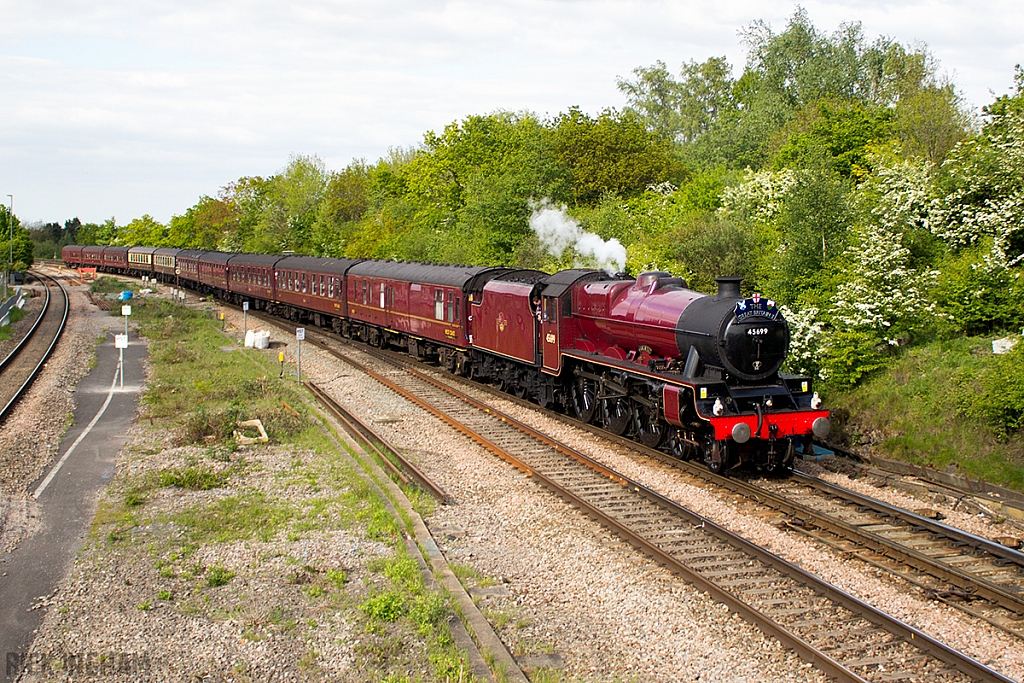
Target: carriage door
x=549 y=334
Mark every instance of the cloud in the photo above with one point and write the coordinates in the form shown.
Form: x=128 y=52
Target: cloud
x=130 y=107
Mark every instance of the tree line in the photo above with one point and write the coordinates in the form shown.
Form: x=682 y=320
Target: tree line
x=842 y=176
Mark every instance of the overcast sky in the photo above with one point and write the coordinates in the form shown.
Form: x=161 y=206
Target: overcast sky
x=121 y=108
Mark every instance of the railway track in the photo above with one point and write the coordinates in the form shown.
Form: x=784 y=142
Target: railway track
x=842 y=636
x=975 y=575
x=21 y=366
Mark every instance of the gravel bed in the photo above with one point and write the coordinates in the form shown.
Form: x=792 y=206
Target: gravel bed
x=985 y=643
x=31 y=434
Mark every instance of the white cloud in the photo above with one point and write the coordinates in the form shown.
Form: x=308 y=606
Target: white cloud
x=131 y=107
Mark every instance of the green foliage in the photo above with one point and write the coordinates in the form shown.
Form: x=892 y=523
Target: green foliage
x=612 y=154
x=142 y=231
x=996 y=393
x=976 y=296
x=218 y=575
x=387 y=606
x=16 y=247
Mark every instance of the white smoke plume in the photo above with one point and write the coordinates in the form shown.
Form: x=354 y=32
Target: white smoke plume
x=558 y=232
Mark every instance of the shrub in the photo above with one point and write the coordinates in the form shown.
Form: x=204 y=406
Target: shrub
x=996 y=393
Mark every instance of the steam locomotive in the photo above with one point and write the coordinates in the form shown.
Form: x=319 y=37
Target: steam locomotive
x=695 y=375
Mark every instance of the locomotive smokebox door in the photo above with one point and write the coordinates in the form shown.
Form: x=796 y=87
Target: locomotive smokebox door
x=549 y=333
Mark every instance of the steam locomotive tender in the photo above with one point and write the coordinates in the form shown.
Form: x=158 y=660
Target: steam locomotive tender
x=695 y=375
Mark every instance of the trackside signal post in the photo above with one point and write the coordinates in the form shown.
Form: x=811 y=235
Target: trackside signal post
x=300 y=334
x=245 y=313
x=126 y=311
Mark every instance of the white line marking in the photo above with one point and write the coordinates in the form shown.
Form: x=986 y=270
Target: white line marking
x=53 y=472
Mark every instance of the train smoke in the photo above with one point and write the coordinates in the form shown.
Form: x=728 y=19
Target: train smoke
x=558 y=232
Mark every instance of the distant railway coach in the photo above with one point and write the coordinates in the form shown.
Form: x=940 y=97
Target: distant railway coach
x=115 y=259
x=212 y=269
x=251 y=278
x=140 y=260
x=187 y=265
x=72 y=255
x=165 y=262
x=92 y=256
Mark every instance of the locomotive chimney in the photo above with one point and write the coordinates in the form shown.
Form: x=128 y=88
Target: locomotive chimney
x=728 y=287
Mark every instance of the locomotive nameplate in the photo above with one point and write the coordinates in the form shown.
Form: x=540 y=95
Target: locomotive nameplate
x=756 y=307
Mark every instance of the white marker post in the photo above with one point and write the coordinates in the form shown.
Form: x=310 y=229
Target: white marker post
x=300 y=334
x=245 y=312
x=121 y=343
x=126 y=311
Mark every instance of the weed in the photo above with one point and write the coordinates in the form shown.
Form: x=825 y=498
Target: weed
x=163 y=595
x=145 y=606
x=387 y=606
x=218 y=576
x=134 y=497
x=337 y=577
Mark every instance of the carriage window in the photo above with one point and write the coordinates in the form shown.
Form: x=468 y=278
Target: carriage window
x=322 y=290
x=330 y=287
x=382 y=295
x=366 y=291
x=451 y=307
x=458 y=306
x=439 y=304
x=305 y=287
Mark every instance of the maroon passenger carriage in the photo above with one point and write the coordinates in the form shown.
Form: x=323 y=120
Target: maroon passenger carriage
x=416 y=306
x=309 y=289
x=71 y=255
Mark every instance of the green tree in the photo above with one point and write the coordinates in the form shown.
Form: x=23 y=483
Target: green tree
x=142 y=231
x=612 y=154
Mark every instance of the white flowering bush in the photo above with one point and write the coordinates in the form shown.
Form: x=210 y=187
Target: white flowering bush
x=761 y=195
x=988 y=196
x=883 y=300
x=806 y=339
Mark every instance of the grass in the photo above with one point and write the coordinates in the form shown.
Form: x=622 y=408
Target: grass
x=15 y=315
x=195 y=478
x=110 y=285
x=913 y=411
x=250 y=515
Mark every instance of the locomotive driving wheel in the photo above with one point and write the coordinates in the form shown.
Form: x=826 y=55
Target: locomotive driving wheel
x=647 y=425
x=615 y=414
x=584 y=399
